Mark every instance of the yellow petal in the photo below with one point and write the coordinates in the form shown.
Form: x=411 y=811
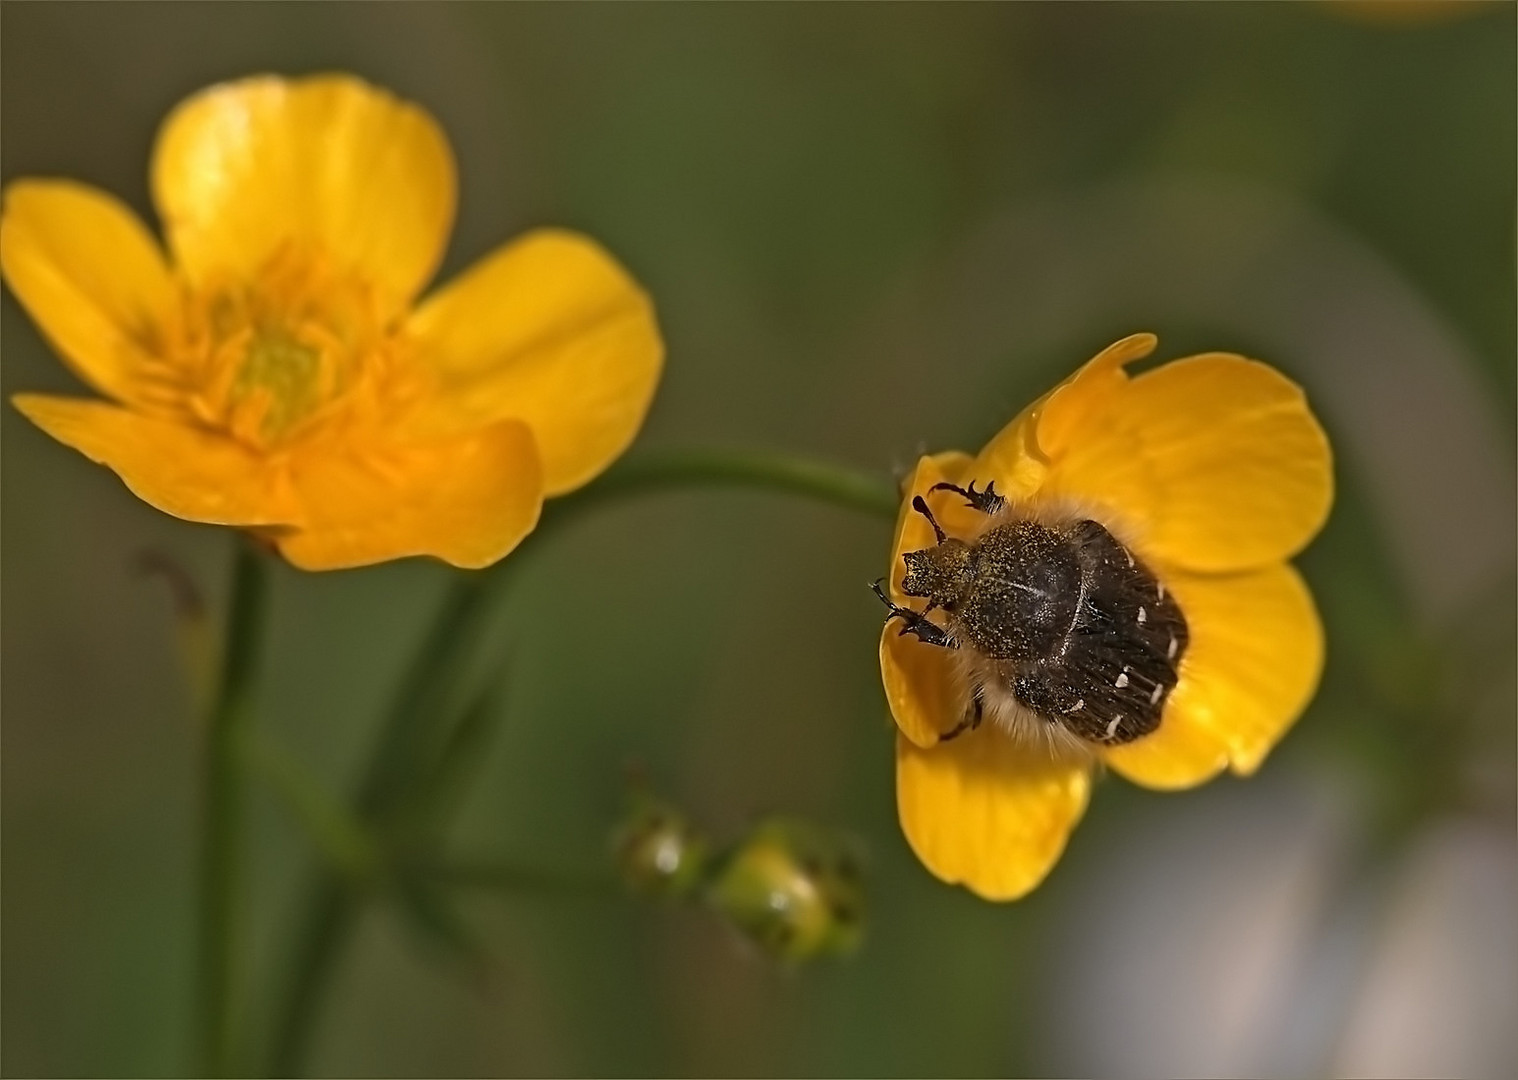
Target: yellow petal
x=1066 y=414
x=920 y=685
x=467 y=501
x=1211 y=463
x=326 y=165
x=91 y=276
x=1018 y=457
x=925 y=696
x=1255 y=656
x=1184 y=751
x=551 y=331
x=986 y=812
x=181 y=470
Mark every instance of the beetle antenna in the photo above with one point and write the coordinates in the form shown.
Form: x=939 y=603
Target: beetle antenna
x=922 y=508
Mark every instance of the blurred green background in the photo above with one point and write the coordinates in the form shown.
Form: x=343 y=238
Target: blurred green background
x=869 y=230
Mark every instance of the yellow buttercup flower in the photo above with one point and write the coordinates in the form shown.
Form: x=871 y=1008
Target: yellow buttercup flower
x=1143 y=526
x=272 y=371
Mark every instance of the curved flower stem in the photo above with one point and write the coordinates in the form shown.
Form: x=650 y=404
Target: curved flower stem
x=328 y=913
x=221 y=855
x=732 y=468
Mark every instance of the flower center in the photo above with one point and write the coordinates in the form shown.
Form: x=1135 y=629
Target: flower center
x=295 y=349
x=277 y=386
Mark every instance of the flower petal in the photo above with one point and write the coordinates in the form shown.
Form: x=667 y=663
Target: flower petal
x=1182 y=752
x=1255 y=656
x=926 y=698
x=467 y=501
x=549 y=330
x=1065 y=416
x=1214 y=462
x=987 y=812
x=326 y=164
x=91 y=276
x=181 y=470
x=1017 y=457
x=919 y=679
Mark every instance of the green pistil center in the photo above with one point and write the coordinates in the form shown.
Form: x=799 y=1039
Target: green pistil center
x=282 y=374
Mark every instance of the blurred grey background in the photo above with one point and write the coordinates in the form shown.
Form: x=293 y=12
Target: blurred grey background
x=869 y=230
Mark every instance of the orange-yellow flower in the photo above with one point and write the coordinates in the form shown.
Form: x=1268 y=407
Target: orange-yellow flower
x=1213 y=472
x=272 y=370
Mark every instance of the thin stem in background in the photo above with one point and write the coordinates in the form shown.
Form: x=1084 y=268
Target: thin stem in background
x=787 y=473
x=328 y=914
x=328 y=911
x=327 y=820
x=221 y=929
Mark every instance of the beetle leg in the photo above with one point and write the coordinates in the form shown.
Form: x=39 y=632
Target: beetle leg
x=916 y=622
x=972 y=718
x=987 y=501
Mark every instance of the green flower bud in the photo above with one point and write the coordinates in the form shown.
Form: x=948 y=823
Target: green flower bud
x=793 y=889
x=658 y=852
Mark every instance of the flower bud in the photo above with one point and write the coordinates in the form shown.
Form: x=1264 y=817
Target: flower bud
x=794 y=890
x=658 y=852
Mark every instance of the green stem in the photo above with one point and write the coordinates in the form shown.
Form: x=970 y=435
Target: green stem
x=327 y=919
x=221 y=928
x=327 y=821
x=329 y=907
x=732 y=468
